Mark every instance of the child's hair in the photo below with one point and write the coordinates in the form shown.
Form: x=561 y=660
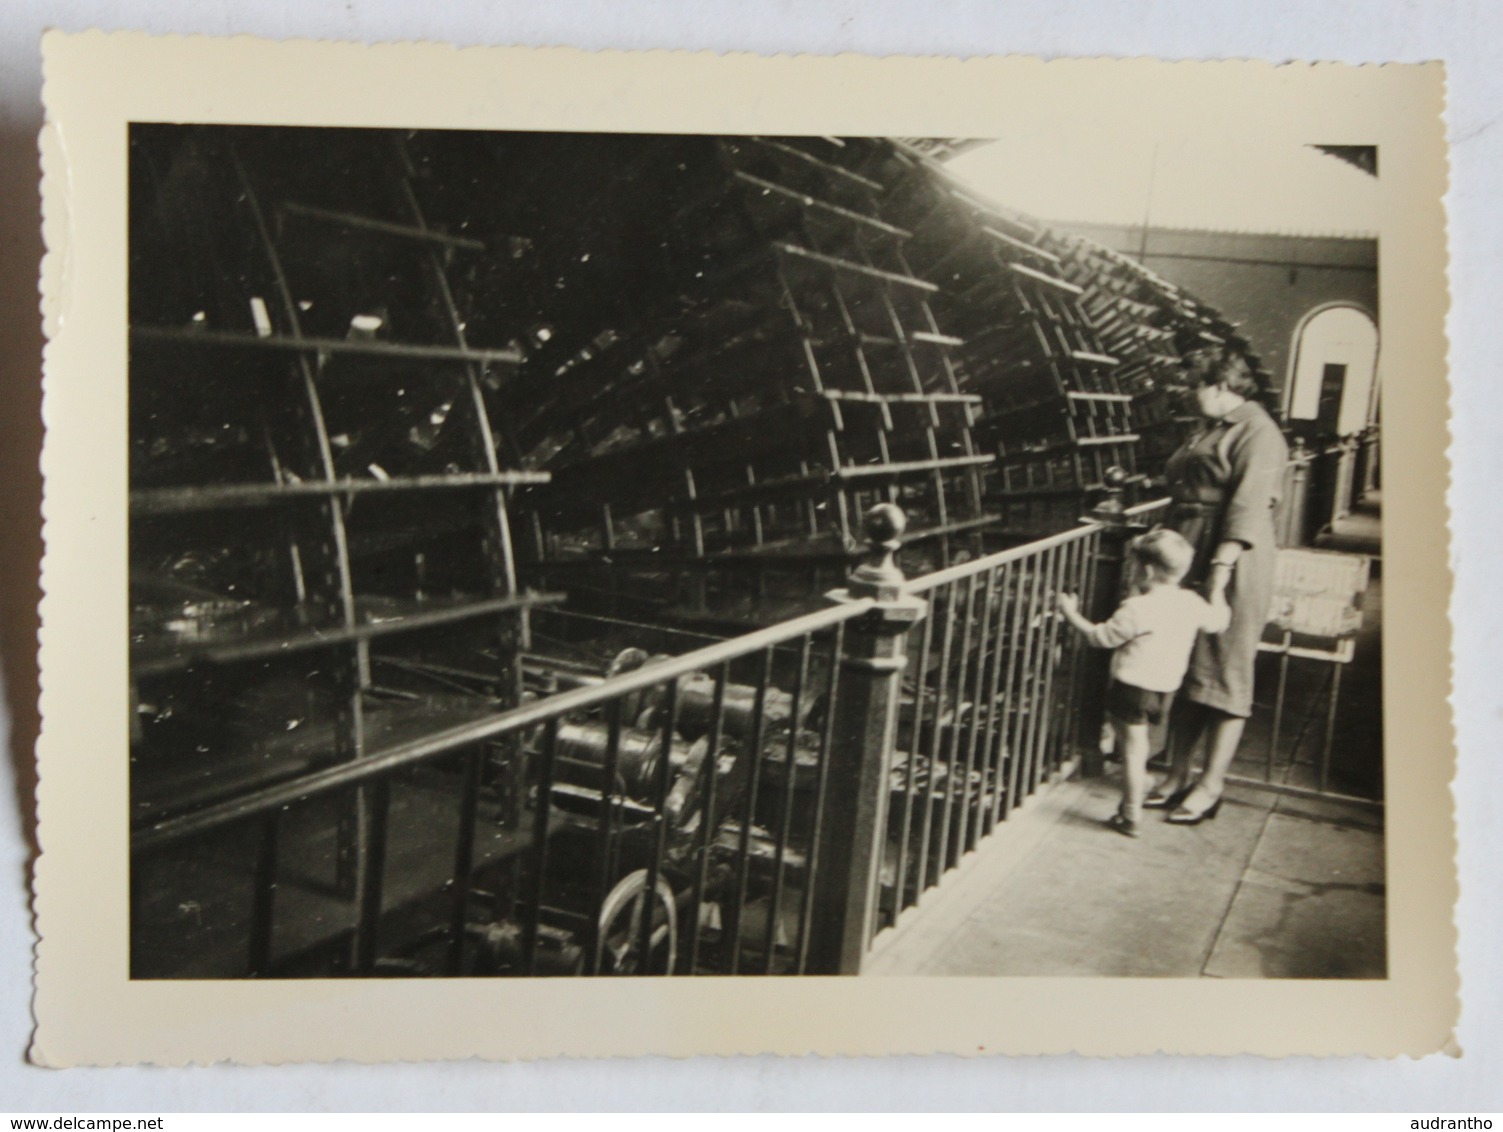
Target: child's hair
x=1166 y=550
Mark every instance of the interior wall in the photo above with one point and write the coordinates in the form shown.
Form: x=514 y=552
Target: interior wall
x=1266 y=283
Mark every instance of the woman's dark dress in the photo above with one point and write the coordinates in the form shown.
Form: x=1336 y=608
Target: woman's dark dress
x=1225 y=482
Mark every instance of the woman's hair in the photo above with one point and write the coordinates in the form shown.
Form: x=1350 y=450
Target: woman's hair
x=1220 y=365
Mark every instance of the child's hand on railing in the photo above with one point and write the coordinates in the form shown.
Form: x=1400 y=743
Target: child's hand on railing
x=1066 y=605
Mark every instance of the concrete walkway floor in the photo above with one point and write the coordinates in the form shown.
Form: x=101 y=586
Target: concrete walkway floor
x=1358 y=532
x=1274 y=887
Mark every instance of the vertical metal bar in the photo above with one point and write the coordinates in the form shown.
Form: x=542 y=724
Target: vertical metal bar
x=532 y=911
x=605 y=839
x=811 y=870
x=513 y=815
x=1031 y=675
x=353 y=827
x=1075 y=648
x=377 y=803
x=1071 y=731
x=947 y=859
x=1043 y=673
x=749 y=808
x=996 y=711
x=911 y=778
x=785 y=822
x=464 y=857
x=1060 y=657
x=1011 y=714
x=1325 y=751
x=1278 y=709
x=1028 y=679
x=264 y=896
x=1088 y=553
x=661 y=779
x=1094 y=565
x=969 y=692
x=1110 y=574
x=1086 y=560
x=1050 y=721
x=1063 y=653
x=708 y=823
x=980 y=706
x=502 y=561
x=936 y=740
x=1018 y=660
x=1093 y=584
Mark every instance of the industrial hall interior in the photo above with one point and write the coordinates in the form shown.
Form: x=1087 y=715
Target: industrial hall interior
x=602 y=555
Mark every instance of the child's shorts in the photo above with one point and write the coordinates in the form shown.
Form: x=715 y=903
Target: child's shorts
x=1132 y=704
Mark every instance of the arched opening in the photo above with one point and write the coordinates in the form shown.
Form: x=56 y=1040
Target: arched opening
x=1333 y=379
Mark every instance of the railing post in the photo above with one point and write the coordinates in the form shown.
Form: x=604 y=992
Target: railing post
x=1348 y=486
x=853 y=830
x=1118 y=530
x=1294 y=507
x=1370 y=450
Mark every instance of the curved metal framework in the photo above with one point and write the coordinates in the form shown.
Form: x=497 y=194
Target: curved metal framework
x=387 y=387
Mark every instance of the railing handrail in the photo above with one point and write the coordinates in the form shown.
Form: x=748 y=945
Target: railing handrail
x=350 y=774
x=1139 y=509
x=963 y=570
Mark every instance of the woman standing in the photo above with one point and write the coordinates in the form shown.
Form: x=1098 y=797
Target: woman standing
x=1224 y=482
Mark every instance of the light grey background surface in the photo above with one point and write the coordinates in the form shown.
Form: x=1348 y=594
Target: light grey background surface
x=1465 y=35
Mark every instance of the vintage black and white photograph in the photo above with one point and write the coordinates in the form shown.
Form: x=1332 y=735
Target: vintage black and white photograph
x=564 y=537
x=586 y=554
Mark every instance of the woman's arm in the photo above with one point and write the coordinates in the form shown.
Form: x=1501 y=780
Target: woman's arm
x=1256 y=457
x=1219 y=613
x=1223 y=562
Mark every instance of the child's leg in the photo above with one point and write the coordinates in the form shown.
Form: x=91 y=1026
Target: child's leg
x=1132 y=742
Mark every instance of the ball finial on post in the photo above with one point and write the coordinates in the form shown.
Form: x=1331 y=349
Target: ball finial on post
x=1110 y=507
x=878 y=575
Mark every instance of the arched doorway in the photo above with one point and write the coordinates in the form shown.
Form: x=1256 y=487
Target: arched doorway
x=1332 y=387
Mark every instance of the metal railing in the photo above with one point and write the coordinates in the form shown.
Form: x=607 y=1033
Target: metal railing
x=991 y=704
x=1323 y=486
x=764 y=805
x=666 y=821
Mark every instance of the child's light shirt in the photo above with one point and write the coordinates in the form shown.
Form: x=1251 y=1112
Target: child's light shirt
x=1153 y=634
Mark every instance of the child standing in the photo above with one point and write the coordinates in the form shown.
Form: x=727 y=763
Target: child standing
x=1152 y=632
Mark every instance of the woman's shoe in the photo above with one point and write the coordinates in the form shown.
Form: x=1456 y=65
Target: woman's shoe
x=1123 y=825
x=1186 y=816
x=1158 y=800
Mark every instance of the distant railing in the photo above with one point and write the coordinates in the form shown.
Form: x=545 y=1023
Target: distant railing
x=764 y=805
x=1322 y=486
